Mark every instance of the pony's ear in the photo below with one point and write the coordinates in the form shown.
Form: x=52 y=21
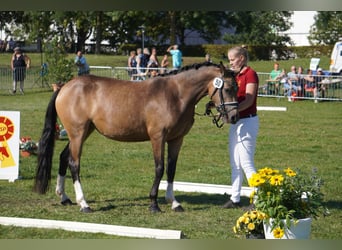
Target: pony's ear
x=223 y=69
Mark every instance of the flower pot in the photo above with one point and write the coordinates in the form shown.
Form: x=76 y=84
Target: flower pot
x=299 y=230
x=24 y=153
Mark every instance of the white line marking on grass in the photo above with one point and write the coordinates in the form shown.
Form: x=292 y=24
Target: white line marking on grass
x=136 y=232
x=204 y=188
x=259 y=108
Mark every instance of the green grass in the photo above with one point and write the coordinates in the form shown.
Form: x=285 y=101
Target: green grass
x=117 y=176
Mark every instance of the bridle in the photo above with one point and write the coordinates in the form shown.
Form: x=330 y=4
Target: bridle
x=222 y=107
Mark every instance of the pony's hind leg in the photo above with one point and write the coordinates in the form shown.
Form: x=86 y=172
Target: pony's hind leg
x=173 y=152
x=63 y=165
x=75 y=147
x=74 y=165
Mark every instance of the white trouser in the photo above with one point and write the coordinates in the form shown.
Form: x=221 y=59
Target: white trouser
x=242 y=142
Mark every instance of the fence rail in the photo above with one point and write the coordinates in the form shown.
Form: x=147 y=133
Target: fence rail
x=329 y=88
x=37 y=79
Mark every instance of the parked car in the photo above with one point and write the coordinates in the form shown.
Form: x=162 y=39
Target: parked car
x=336 y=59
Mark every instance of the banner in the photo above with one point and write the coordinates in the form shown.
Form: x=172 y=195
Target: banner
x=9 y=145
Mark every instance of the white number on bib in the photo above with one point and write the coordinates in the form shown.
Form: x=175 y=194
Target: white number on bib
x=218 y=83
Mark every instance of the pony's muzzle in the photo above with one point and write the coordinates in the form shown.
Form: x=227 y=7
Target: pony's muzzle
x=234 y=118
x=229 y=112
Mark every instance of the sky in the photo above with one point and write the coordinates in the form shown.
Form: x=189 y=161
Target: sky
x=302 y=20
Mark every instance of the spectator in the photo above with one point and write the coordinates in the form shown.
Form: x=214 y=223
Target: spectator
x=208 y=58
x=310 y=81
x=153 y=59
x=274 y=80
x=142 y=60
x=164 y=64
x=287 y=84
x=145 y=58
x=152 y=70
x=319 y=78
x=138 y=59
x=11 y=45
x=19 y=63
x=176 y=56
x=293 y=81
x=132 y=65
x=310 y=84
x=300 y=75
x=81 y=63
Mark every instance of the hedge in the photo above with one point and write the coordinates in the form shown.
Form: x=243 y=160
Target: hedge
x=255 y=52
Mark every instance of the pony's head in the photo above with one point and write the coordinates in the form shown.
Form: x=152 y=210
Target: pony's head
x=223 y=94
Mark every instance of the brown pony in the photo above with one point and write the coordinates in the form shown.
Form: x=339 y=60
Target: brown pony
x=159 y=109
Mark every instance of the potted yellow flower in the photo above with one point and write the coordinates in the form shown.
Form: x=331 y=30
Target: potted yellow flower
x=250 y=224
x=287 y=198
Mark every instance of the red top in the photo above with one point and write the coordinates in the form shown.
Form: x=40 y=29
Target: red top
x=247 y=76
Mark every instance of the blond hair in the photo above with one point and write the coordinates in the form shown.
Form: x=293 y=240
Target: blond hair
x=239 y=51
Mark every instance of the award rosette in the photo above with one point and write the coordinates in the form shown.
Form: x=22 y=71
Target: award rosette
x=6 y=132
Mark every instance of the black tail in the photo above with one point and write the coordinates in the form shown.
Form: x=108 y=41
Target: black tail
x=45 y=148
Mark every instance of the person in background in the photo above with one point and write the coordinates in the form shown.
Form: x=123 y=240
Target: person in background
x=243 y=134
x=208 y=58
x=310 y=84
x=274 y=79
x=300 y=75
x=138 y=59
x=153 y=58
x=164 y=64
x=81 y=63
x=293 y=81
x=176 y=56
x=152 y=70
x=319 y=77
x=11 y=45
x=132 y=65
x=19 y=63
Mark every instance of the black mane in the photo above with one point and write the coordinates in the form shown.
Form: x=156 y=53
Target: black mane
x=228 y=72
x=189 y=67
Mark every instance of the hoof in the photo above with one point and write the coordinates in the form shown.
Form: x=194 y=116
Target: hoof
x=155 y=209
x=66 y=202
x=178 y=209
x=86 y=210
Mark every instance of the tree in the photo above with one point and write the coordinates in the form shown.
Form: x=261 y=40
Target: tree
x=60 y=67
x=37 y=25
x=260 y=27
x=327 y=28
x=10 y=18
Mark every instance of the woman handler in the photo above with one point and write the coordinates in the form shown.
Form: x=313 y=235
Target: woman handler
x=243 y=134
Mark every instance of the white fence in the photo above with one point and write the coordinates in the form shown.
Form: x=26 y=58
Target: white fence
x=329 y=88
x=35 y=78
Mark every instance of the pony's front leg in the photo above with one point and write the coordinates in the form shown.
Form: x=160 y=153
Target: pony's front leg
x=158 y=153
x=80 y=198
x=159 y=171
x=173 y=152
x=169 y=197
